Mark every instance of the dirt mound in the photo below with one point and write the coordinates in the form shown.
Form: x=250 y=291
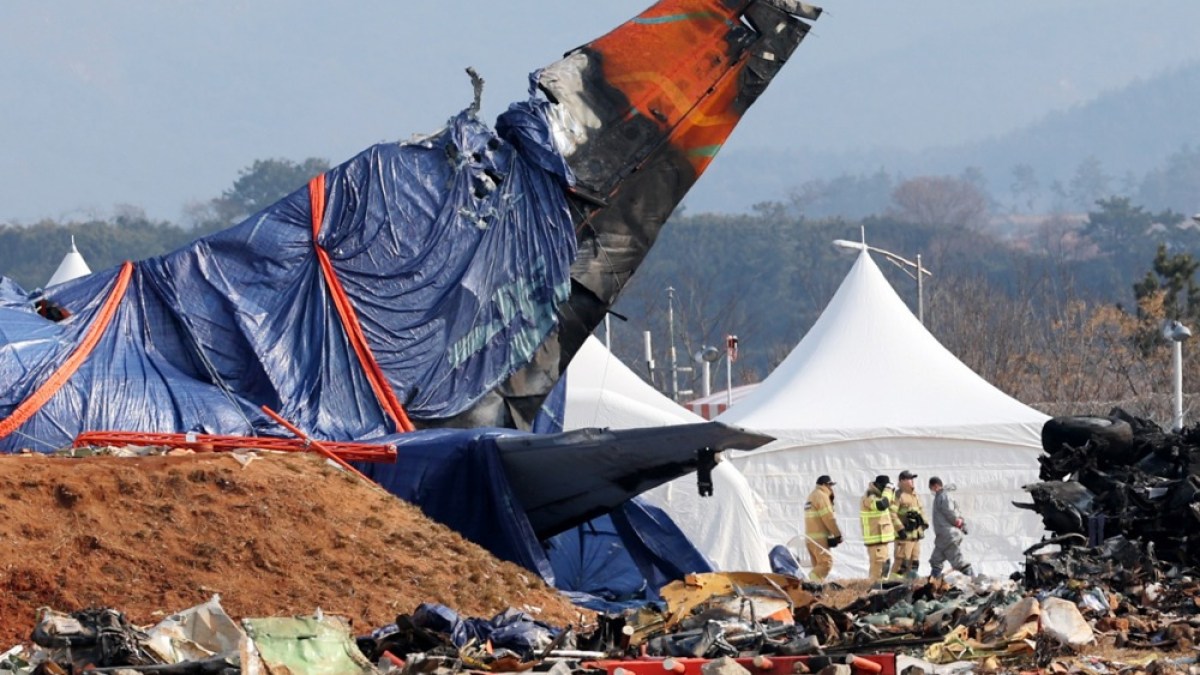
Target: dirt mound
x=283 y=535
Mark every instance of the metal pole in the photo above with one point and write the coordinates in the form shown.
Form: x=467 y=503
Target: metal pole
x=920 y=292
x=608 y=329
x=671 y=338
x=649 y=359
x=706 y=386
x=1177 y=422
x=728 y=381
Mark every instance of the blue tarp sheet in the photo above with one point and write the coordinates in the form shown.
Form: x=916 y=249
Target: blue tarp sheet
x=457 y=478
x=453 y=250
x=511 y=629
x=622 y=559
x=783 y=562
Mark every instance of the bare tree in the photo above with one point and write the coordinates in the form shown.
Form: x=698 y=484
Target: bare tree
x=1024 y=187
x=1090 y=183
x=941 y=201
x=1045 y=345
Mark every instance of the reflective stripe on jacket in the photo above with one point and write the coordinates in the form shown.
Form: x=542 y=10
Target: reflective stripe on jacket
x=819 y=522
x=876 y=523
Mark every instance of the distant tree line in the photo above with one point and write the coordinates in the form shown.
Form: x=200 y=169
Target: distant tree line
x=1173 y=186
x=29 y=254
x=1070 y=321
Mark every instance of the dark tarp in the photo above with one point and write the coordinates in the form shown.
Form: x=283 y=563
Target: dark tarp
x=458 y=478
x=454 y=251
x=621 y=560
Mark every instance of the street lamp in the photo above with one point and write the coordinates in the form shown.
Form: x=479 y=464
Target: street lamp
x=706 y=357
x=1177 y=333
x=913 y=269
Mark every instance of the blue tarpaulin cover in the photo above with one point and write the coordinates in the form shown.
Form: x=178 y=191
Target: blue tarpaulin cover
x=511 y=629
x=783 y=562
x=622 y=559
x=457 y=478
x=453 y=250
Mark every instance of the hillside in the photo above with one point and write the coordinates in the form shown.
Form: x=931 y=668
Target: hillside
x=1131 y=130
x=282 y=535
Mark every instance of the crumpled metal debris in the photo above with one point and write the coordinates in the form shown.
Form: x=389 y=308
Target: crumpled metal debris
x=511 y=641
x=202 y=640
x=724 y=614
x=92 y=637
x=1121 y=497
x=1121 y=475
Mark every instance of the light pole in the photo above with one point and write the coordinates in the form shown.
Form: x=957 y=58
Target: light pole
x=676 y=369
x=917 y=271
x=1177 y=333
x=706 y=357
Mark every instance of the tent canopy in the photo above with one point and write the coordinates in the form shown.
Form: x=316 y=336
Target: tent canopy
x=603 y=392
x=869 y=391
x=72 y=266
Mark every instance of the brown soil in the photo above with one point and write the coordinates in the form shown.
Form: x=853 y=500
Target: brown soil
x=282 y=536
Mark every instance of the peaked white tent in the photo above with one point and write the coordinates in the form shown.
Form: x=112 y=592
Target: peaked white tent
x=869 y=391
x=72 y=266
x=603 y=392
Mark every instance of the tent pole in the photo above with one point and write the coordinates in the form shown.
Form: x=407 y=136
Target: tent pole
x=728 y=382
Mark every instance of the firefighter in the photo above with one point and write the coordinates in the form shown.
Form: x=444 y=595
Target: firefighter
x=821 y=530
x=908 y=517
x=877 y=529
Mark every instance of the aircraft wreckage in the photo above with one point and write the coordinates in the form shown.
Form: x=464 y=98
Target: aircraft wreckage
x=1119 y=494
x=443 y=282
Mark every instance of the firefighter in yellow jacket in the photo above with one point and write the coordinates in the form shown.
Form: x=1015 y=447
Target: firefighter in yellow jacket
x=908 y=518
x=878 y=531
x=820 y=528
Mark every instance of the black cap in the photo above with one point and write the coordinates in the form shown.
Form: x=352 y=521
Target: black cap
x=934 y=480
x=882 y=480
x=905 y=474
x=825 y=480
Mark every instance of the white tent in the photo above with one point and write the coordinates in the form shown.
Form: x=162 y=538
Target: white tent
x=603 y=392
x=72 y=266
x=869 y=391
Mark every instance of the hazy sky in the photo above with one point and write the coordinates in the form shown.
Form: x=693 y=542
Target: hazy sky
x=156 y=104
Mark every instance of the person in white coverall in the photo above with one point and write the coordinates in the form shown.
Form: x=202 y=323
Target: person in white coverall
x=948 y=531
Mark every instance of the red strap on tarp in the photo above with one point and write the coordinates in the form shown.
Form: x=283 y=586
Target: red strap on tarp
x=345 y=309
x=50 y=387
x=349 y=451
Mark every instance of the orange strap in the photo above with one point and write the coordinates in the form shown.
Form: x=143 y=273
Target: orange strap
x=379 y=384
x=315 y=445
x=50 y=387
